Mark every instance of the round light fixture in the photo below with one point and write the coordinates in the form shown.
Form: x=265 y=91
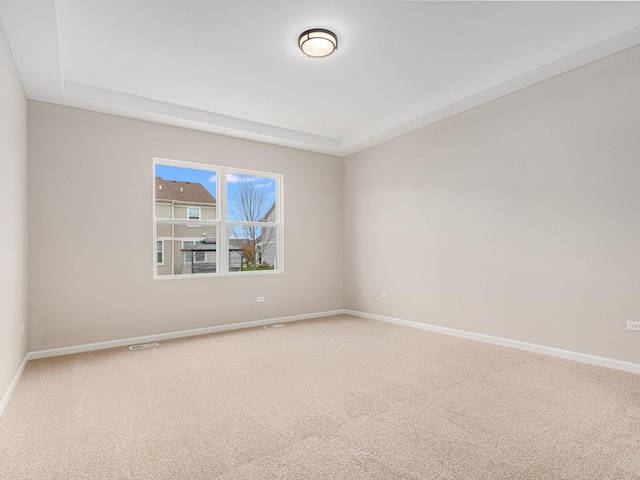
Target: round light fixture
x=318 y=42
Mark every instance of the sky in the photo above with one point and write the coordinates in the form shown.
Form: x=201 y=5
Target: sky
x=209 y=181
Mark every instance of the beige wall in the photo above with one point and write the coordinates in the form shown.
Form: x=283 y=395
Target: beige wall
x=98 y=286
x=518 y=219
x=13 y=222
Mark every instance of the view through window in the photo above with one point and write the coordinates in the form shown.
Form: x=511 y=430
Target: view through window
x=201 y=230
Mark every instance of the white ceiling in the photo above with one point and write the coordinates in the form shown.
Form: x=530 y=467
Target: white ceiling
x=233 y=67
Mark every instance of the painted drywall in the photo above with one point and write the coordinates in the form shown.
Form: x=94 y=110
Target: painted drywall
x=91 y=231
x=13 y=222
x=517 y=219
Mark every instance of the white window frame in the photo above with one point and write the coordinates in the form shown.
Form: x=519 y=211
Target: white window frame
x=221 y=224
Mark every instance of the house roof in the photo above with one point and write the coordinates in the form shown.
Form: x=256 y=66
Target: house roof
x=188 y=192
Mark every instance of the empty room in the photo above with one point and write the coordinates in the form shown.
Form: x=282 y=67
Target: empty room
x=319 y=240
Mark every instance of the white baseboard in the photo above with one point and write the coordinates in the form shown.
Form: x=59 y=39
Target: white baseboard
x=555 y=352
x=55 y=352
x=505 y=342
x=12 y=385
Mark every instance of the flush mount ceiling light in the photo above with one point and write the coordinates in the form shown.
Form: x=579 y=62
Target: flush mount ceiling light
x=318 y=42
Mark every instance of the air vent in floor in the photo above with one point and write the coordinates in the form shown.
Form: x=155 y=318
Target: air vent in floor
x=143 y=345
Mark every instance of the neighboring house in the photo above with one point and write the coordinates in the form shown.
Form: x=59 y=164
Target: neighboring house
x=267 y=242
x=185 y=245
x=189 y=203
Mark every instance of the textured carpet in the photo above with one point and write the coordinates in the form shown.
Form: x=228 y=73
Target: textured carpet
x=332 y=398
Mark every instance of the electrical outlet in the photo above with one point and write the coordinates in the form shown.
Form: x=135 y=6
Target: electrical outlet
x=383 y=294
x=260 y=299
x=633 y=326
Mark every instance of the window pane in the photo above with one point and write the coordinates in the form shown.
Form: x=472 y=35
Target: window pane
x=250 y=198
x=178 y=189
x=186 y=249
x=159 y=250
x=252 y=248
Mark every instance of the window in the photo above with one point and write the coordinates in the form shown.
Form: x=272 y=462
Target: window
x=193 y=213
x=159 y=252
x=215 y=220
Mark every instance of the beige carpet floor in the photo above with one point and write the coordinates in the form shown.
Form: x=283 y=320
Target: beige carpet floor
x=332 y=398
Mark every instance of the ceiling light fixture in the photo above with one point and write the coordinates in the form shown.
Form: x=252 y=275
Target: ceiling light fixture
x=318 y=42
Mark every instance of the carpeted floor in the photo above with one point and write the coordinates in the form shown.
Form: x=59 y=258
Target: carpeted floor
x=331 y=398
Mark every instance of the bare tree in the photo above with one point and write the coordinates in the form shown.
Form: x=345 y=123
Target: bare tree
x=250 y=205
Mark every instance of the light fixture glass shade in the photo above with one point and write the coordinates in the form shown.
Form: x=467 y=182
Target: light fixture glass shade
x=318 y=42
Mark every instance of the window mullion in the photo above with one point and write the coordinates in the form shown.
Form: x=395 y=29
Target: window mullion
x=223 y=243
